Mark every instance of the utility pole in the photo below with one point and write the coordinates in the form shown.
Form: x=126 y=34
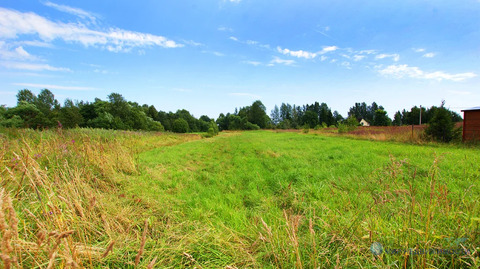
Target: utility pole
x=420 y=115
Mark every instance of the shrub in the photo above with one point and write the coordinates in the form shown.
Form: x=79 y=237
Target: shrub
x=348 y=125
x=180 y=126
x=251 y=126
x=306 y=129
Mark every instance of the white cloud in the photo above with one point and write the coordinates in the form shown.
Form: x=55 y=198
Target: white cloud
x=254 y=63
x=298 y=53
x=323 y=58
x=34 y=43
x=347 y=65
x=328 y=49
x=33 y=66
x=429 y=55
x=71 y=10
x=400 y=71
x=367 y=52
x=14 y=23
x=245 y=94
x=277 y=60
x=233 y=38
x=18 y=53
x=55 y=87
x=418 y=49
x=394 y=56
x=225 y=29
x=357 y=58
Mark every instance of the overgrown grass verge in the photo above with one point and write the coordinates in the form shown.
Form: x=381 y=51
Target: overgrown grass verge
x=60 y=195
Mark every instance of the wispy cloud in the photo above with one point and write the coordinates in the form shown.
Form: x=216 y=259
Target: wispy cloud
x=328 y=49
x=245 y=94
x=306 y=54
x=297 y=53
x=224 y=29
x=14 y=23
x=429 y=55
x=55 y=87
x=401 y=71
x=15 y=53
x=418 y=49
x=216 y=53
x=233 y=38
x=277 y=60
x=254 y=63
x=72 y=10
x=357 y=58
x=33 y=66
x=394 y=56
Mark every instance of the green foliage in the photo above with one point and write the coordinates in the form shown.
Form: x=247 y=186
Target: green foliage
x=381 y=118
x=310 y=118
x=251 y=126
x=13 y=122
x=27 y=96
x=212 y=129
x=70 y=115
x=306 y=129
x=180 y=126
x=348 y=125
x=441 y=127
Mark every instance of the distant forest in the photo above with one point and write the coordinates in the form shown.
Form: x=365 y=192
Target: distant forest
x=44 y=111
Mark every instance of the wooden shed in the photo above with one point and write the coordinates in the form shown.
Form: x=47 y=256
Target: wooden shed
x=471 y=123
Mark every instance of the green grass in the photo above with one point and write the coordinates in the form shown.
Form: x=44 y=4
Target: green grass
x=255 y=199
x=286 y=199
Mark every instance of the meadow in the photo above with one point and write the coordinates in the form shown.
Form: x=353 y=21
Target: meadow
x=258 y=199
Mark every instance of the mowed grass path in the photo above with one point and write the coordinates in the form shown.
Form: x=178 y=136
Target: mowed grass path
x=266 y=199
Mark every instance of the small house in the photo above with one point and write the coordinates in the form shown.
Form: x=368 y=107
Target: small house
x=363 y=122
x=471 y=123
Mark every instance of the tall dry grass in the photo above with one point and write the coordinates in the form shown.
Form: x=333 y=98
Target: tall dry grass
x=59 y=204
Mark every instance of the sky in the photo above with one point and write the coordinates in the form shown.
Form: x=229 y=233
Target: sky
x=211 y=56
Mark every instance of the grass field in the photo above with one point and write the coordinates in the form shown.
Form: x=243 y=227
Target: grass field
x=243 y=199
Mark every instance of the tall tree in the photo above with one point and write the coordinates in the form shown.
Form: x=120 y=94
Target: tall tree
x=275 y=115
x=27 y=96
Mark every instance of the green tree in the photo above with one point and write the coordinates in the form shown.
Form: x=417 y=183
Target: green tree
x=257 y=115
x=275 y=115
x=397 y=119
x=310 y=118
x=70 y=115
x=381 y=118
x=180 y=126
x=27 y=96
x=441 y=127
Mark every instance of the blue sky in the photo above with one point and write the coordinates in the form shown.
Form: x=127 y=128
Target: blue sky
x=214 y=55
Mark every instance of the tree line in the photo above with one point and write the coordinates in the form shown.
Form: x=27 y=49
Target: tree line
x=44 y=111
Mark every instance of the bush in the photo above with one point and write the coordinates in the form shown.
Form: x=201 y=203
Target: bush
x=348 y=125
x=180 y=126
x=306 y=129
x=251 y=126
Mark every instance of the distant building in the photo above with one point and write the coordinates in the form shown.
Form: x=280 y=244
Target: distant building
x=471 y=123
x=363 y=122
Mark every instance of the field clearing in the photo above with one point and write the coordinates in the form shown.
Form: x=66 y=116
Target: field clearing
x=257 y=199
